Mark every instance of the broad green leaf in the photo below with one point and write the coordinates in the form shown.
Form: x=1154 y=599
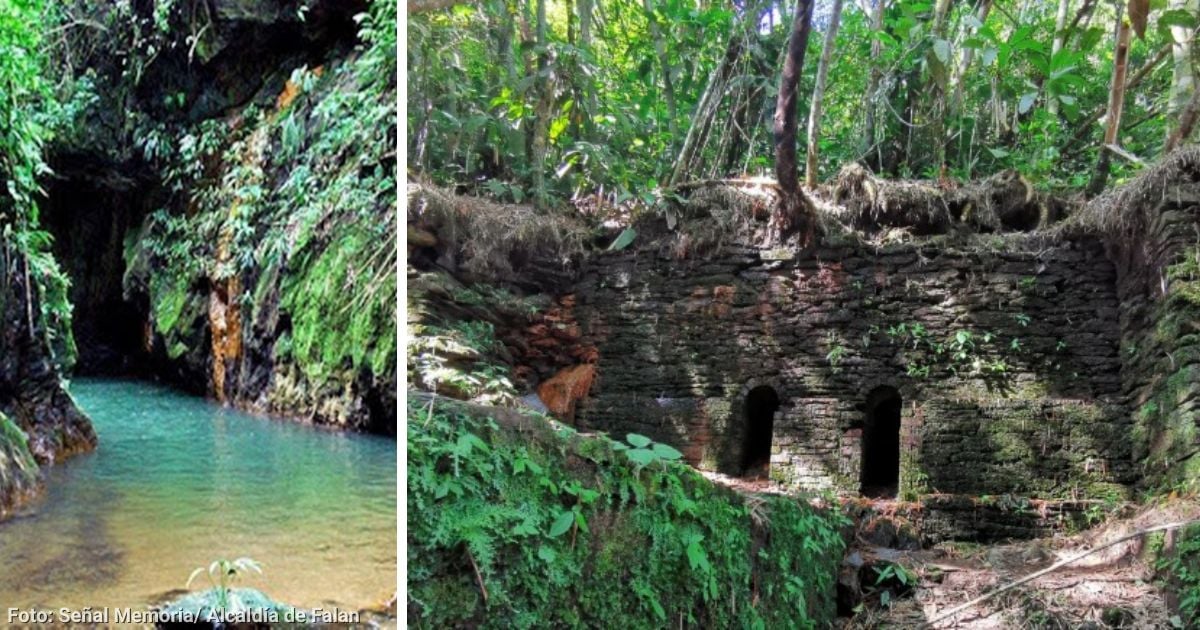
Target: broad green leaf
x=623 y=240
x=1176 y=17
x=697 y=557
x=641 y=456
x=666 y=452
x=639 y=441
x=941 y=48
x=562 y=523
x=1026 y=102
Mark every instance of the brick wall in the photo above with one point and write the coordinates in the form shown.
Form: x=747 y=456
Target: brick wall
x=1003 y=348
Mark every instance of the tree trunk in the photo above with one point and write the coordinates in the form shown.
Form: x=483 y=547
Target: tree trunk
x=968 y=55
x=660 y=48
x=570 y=22
x=937 y=119
x=585 y=22
x=541 y=126
x=589 y=87
x=876 y=76
x=706 y=110
x=1086 y=125
x=814 y=114
x=1187 y=122
x=1086 y=10
x=1060 y=34
x=1183 y=80
x=1116 y=103
x=794 y=215
x=956 y=102
x=505 y=32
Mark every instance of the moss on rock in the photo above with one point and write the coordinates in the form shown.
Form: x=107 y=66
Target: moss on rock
x=18 y=470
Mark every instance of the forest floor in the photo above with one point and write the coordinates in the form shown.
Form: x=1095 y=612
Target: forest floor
x=1114 y=587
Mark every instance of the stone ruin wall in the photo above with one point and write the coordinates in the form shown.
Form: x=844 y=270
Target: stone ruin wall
x=1158 y=266
x=682 y=342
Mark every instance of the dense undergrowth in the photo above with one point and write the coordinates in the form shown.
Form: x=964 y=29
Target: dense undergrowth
x=518 y=522
x=29 y=118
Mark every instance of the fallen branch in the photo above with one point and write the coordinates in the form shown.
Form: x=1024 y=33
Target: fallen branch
x=745 y=183
x=1125 y=155
x=1054 y=567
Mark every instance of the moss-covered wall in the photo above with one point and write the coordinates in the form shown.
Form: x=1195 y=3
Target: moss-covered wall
x=1004 y=349
x=39 y=421
x=1159 y=288
x=18 y=470
x=258 y=266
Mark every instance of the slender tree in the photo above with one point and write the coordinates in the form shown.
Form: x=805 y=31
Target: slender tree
x=794 y=214
x=664 y=61
x=937 y=119
x=875 y=76
x=1084 y=127
x=1183 y=79
x=818 y=97
x=706 y=110
x=1060 y=37
x=542 y=111
x=1187 y=122
x=968 y=55
x=1116 y=103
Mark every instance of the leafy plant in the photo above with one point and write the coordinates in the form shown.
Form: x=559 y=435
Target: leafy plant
x=889 y=577
x=222 y=574
x=1181 y=566
x=645 y=451
x=565 y=529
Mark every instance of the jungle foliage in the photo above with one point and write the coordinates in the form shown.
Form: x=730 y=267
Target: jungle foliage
x=616 y=100
x=29 y=118
x=287 y=206
x=515 y=522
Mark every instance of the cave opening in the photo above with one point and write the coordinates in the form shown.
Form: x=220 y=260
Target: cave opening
x=761 y=404
x=881 y=444
x=90 y=207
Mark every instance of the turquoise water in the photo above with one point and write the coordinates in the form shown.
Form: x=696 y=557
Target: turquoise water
x=178 y=482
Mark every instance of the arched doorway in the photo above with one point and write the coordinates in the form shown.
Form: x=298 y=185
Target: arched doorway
x=881 y=444
x=761 y=404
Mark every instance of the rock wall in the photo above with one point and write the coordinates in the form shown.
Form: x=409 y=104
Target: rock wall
x=238 y=215
x=39 y=422
x=1003 y=351
x=1158 y=264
